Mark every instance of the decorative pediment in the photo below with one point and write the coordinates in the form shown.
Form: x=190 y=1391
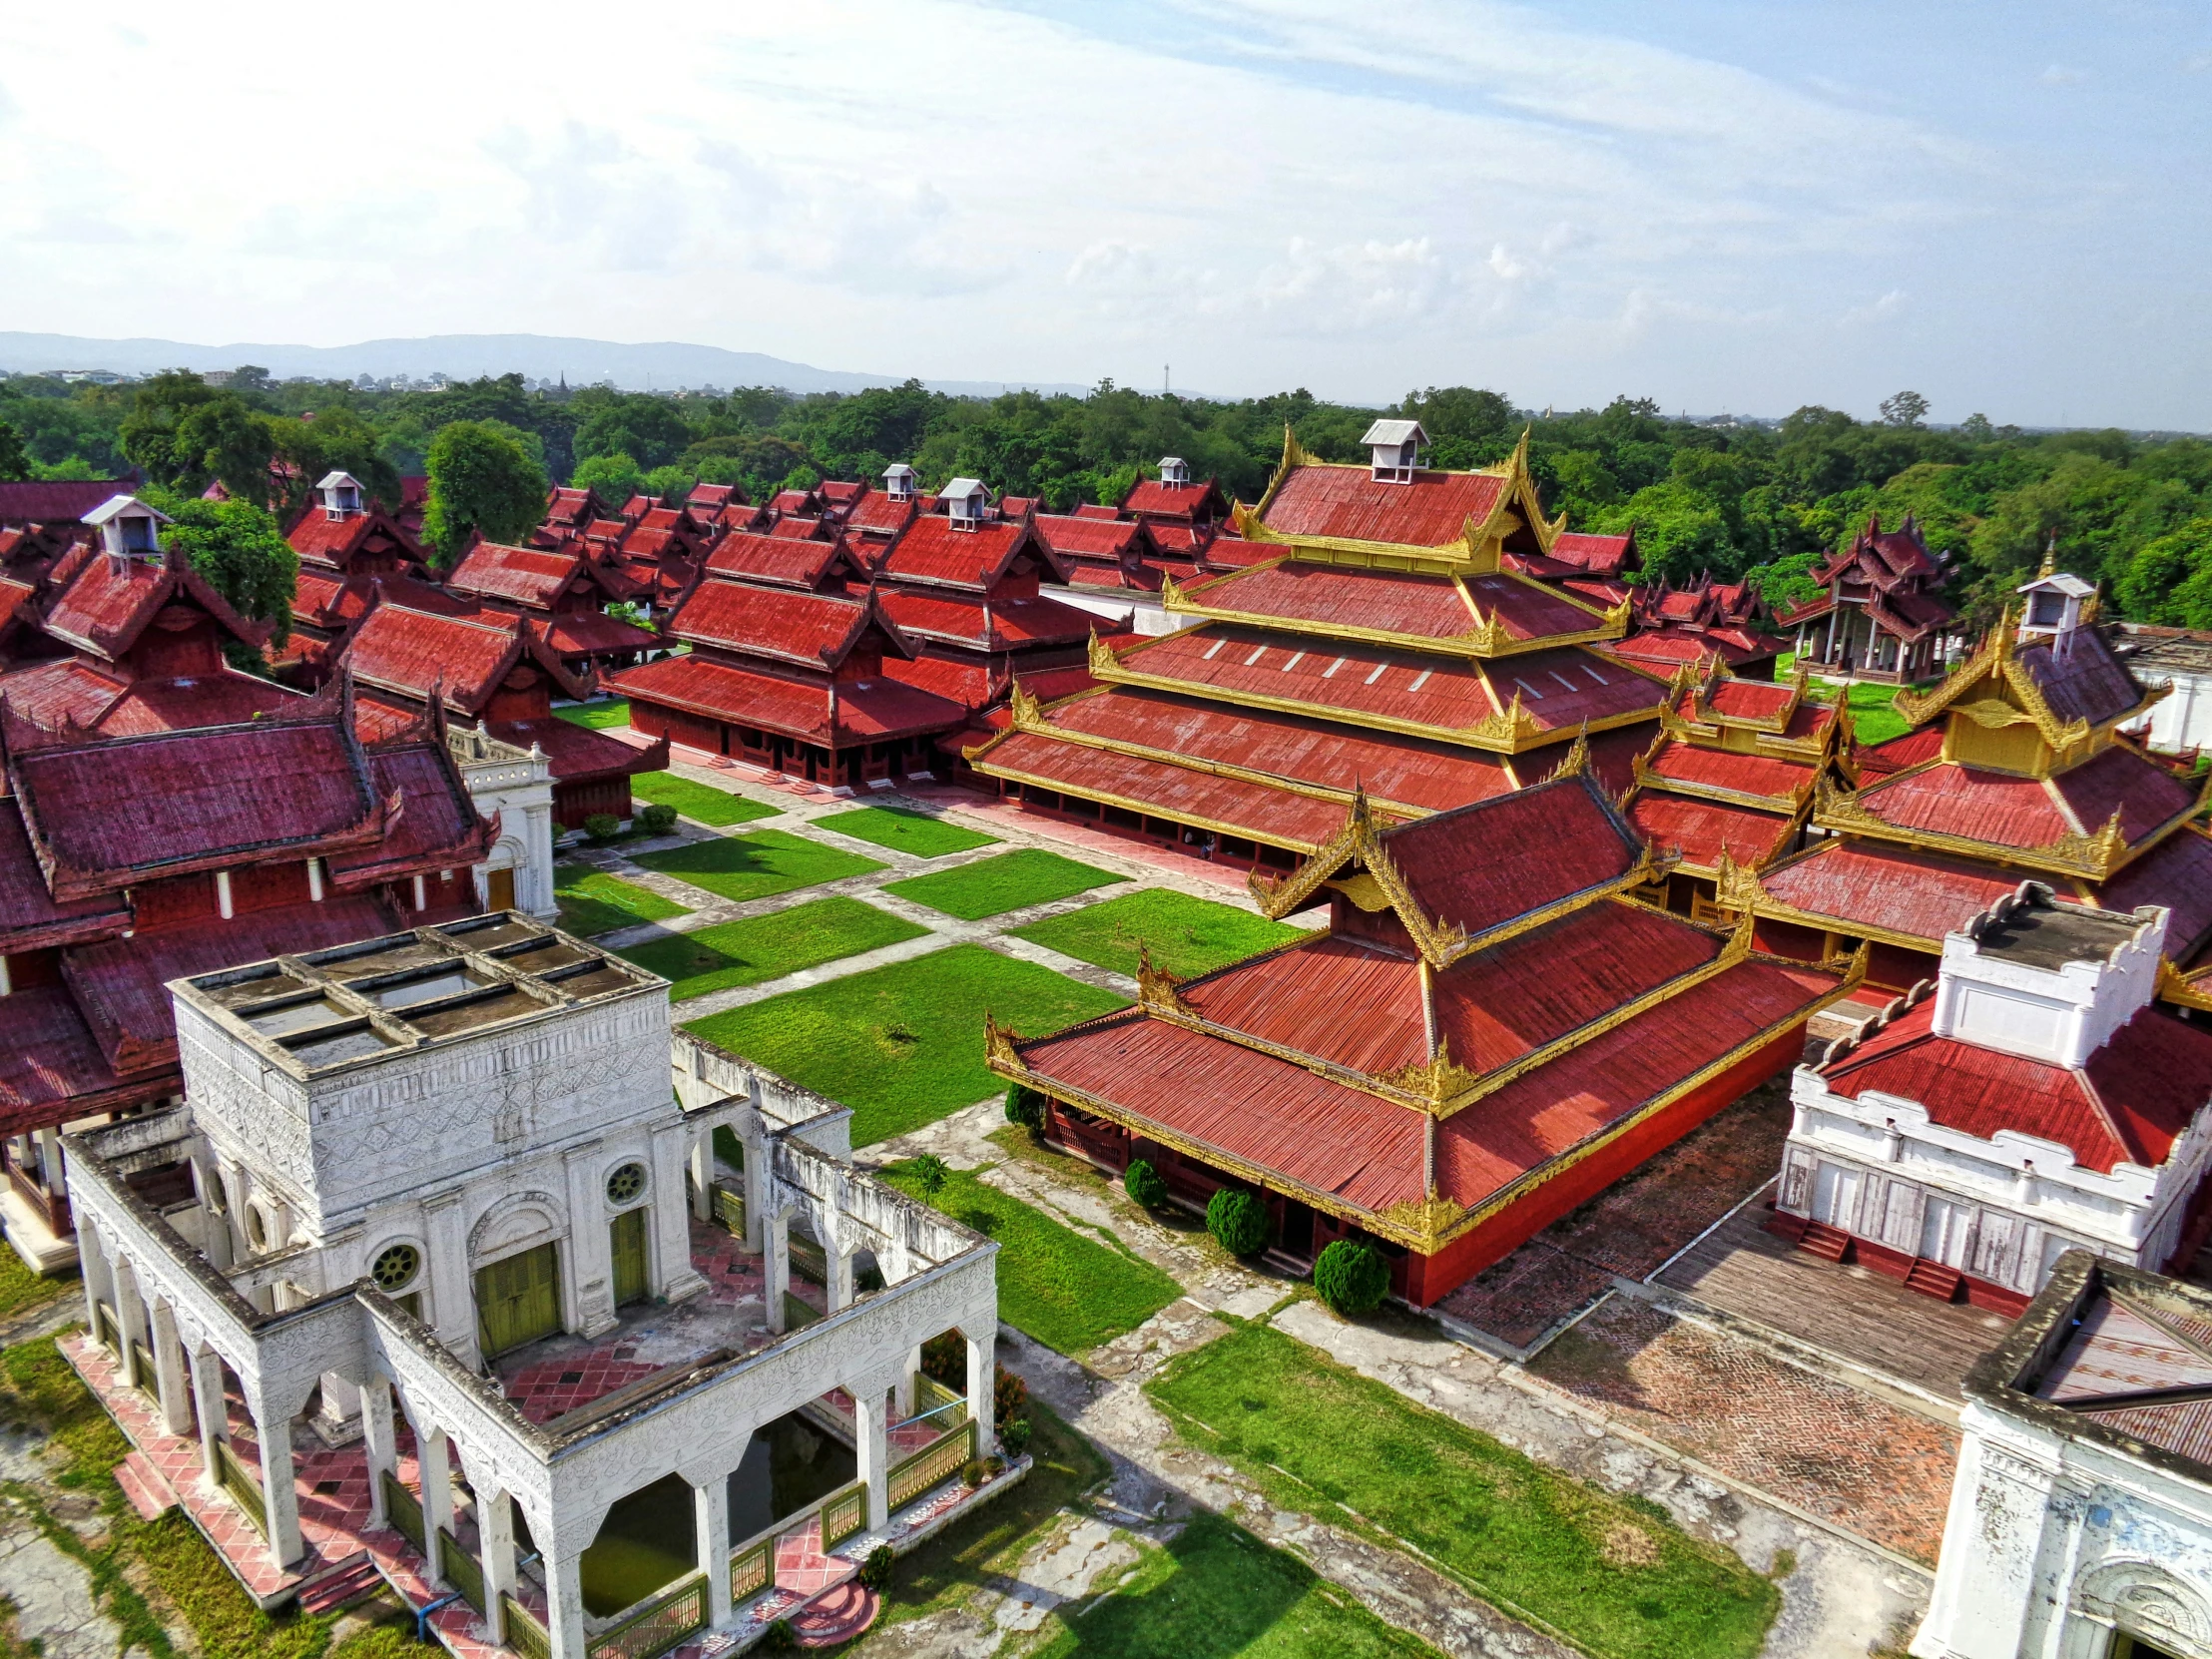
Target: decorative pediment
x=999 y=1052
x=1156 y=989
x=1436 y=1081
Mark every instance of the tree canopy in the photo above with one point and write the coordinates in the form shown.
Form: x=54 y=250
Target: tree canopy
x=238 y=549
x=483 y=480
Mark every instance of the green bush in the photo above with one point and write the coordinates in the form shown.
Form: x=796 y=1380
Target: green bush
x=1351 y=1278
x=875 y=1571
x=1237 y=1220
x=1014 y=1437
x=781 y=1637
x=602 y=827
x=1025 y=1107
x=657 y=818
x=975 y=1472
x=1143 y=1184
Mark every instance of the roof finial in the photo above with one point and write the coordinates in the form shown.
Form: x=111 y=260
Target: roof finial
x=2051 y=556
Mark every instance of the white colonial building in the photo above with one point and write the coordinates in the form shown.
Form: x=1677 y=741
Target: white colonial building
x=461 y=1169
x=514 y=788
x=2035 y=1099
x=2080 y=1522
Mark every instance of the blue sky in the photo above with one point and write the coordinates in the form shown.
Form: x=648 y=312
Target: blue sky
x=1722 y=206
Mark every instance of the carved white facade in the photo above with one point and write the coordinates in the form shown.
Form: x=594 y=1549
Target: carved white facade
x=516 y=784
x=377 y=1135
x=2077 y=1529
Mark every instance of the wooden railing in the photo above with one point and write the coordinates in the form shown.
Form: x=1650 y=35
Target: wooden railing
x=460 y=1569
x=657 y=1626
x=933 y=1466
x=729 y=1209
x=807 y=1258
x=109 y=1330
x=524 y=1634
x=404 y=1510
x=931 y=1396
x=53 y=1208
x=239 y=1481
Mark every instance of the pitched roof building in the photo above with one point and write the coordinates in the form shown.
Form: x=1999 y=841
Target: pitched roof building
x=1489 y=1032
x=566 y=592
x=1883 y=617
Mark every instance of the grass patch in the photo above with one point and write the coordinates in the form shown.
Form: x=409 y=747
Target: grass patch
x=597 y=716
x=1007 y=882
x=592 y=901
x=1873 y=715
x=21 y=1290
x=701 y=803
x=1186 y=935
x=917 y=832
x=756 y=866
x=767 y=947
x=1219 y=1591
x=1069 y=1292
x=37 y=1387
x=1616 y=1579
x=903 y=1045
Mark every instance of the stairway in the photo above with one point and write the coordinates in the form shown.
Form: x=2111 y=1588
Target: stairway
x=837 y=1615
x=350 y=1582
x=1931 y=1278
x=150 y=1495
x=1832 y=1243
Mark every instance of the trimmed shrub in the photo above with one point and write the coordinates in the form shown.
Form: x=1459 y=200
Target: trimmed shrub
x=1237 y=1220
x=875 y=1571
x=1143 y=1184
x=1351 y=1278
x=944 y=1359
x=1014 y=1436
x=656 y=818
x=602 y=827
x=1025 y=1107
x=1009 y=1397
x=975 y=1472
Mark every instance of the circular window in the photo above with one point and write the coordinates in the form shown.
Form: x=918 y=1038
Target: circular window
x=395 y=1267
x=626 y=1183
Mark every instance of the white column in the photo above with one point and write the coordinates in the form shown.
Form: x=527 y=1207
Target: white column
x=590 y=1251
x=904 y=1398
x=495 y=1532
x=982 y=1380
x=99 y=1273
x=438 y=1495
x=871 y=1442
x=711 y=1508
x=757 y=1191
x=451 y=1302
x=280 y=1499
x=673 y=1276
x=564 y=1602
x=169 y=1369
x=215 y=1413
x=777 y=1274
x=130 y=1315
x=701 y=1161
x=381 y=1441
x=840 y=1271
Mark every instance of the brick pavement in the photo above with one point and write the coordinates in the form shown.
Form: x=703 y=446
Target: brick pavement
x=1821 y=1445
x=1630 y=1228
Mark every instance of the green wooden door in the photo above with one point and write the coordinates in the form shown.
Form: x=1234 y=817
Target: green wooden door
x=519 y=1299
x=629 y=1253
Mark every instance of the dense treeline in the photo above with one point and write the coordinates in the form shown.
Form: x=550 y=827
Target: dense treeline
x=1740 y=500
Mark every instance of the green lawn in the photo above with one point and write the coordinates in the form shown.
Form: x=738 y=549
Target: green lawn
x=1617 y=1577
x=1218 y=1590
x=1186 y=935
x=768 y=947
x=592 y=901
x=917 y=832
x=1007 y=882
x=1872 y=715
x=702 y=802
x=1067 y=1289
x=757 y=865
x=598 y=716
x=903 y=1045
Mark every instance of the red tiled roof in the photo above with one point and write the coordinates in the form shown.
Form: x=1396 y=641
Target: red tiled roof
x=1703 y=829
x=877 y=514
x=2013 y=811
x=1152 y=498
x=594 y=633
x=409 y=651
x=111 y=812
x=1405 y=770
x=1666 y=648
x=791 y=501
x=1863 y=885
x=1343 y=1001
x=972 y=681
x=870 y=712
x=2129 y=1104
x=1252 y=1108
x=2125 y=780
x=56 y=500
x=1923 y=744
x=528 y=576
x=1392 y=602
x=1754 y=700
x=811 y=629
x=30 y=919
x=330 y=604
x=222 y=699
x=323 y=540
x=2177 y=872
x=988 y=624
x=1481 y=865
x=105 y=604
x=60 y=691
x=1592 y=1088
x=1726 y=768
x=438 y=827
x=49 y=1063
x=776 y=560
x=1077 y=537
x=1347 y=502
x=1182 y=794
x=798 y=527
x=577 y=751
x=932 y=551
x=1599 y=555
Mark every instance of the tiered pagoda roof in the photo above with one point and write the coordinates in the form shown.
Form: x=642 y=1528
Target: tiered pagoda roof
x=1485 y=1013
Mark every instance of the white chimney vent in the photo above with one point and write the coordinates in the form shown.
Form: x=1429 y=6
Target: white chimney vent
x=1395 y=446
x=898 y=481
x=966 y=502
x=341 y=495
x=1175 y=473
x=128 y=527
x=2053 y=606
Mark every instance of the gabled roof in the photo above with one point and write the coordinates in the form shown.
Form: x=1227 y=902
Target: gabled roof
x=813 y=630
x=784 y=563
x=572 y=507
x=932 y=551
x=533 y=577
x=1494 y=613
x=320 y=540
x=812 y=708
x=1595 y=555
x=988 y=624
x=1150 y=498
x=103 y=604
x=413 y=651
x=877 y=514
x=1346 y=503
x=57 y=500
x=1078 y=537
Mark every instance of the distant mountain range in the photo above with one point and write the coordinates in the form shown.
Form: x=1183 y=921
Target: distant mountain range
x=654 y=366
